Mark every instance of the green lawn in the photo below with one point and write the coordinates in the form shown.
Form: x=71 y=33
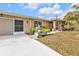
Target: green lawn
x=66 y=43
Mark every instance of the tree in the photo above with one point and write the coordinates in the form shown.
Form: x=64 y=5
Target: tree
x=73 y=17
x=76 y=7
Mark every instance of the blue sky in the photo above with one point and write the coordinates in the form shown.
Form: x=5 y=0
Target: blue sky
x=41 y=10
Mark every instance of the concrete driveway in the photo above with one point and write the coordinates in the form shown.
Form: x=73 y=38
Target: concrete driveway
x=23 y=45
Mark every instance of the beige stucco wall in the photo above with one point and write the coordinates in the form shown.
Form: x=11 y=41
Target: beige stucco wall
x=28 y=24
x=45 y=23
x=6 y=26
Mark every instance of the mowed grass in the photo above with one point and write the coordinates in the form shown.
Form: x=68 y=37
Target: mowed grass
x=66 y=43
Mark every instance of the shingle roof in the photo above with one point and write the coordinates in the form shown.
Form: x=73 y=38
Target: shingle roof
x=17 y=14
x=11 y=13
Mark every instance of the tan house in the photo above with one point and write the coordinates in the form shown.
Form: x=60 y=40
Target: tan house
x=12 y=23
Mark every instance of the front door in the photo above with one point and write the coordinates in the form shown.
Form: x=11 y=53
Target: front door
x=18 y=25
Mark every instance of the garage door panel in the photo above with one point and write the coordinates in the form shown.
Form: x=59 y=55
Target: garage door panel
x=6 y=27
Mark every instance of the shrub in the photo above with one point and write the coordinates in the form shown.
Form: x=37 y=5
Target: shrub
x=42 y=29
x=32 y=30
x=45 y=29
x=69 y=28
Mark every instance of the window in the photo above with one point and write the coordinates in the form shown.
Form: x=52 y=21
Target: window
x=37 y=23
x=18 y=25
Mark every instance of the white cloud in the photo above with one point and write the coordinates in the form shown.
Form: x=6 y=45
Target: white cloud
x=32 y=6
x=56 y=7
x=58 y=12
x=45 y=11
x=55 y=10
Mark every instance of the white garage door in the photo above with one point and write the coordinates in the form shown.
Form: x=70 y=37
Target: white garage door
x=6 y=27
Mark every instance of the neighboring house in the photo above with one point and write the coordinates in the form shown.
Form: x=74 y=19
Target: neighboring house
x=12 y=23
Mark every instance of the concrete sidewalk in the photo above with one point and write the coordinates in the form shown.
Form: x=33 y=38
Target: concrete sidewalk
x=23 y=45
